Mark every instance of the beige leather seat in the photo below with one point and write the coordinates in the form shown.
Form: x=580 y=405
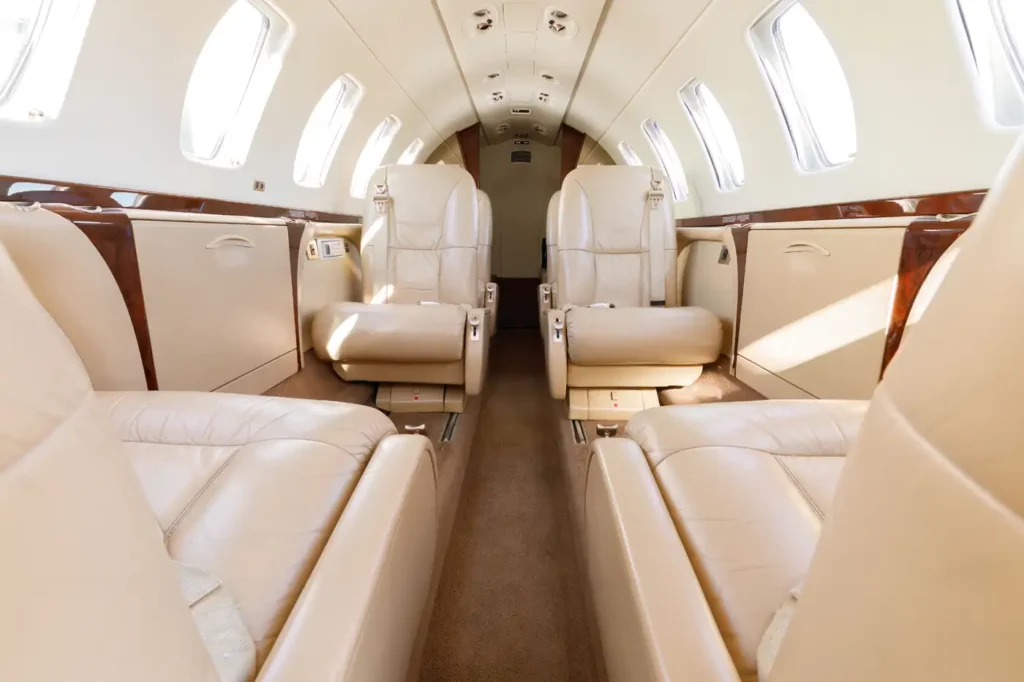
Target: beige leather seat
x=422 y=318
x=181 y=536
x=546 y=294
x=735 y=542
x=618 y=324
x=483 y=268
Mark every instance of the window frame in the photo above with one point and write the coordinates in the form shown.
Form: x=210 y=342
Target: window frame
x=369 y=159
x=53 y=48
x=776 y=65
x=729 y=175
x=235 y=140
x=668 y=158
x=997 y=58
x=629 y=154
x=345 y=106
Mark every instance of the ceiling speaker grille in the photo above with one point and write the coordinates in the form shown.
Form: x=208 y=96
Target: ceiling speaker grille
x=521 y=157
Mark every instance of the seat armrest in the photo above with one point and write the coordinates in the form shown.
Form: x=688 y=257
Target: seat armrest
x=545 y=299
x=478 y=344
x=556 y=354
x=653 y=618
x=491 y=305
x=358 y=615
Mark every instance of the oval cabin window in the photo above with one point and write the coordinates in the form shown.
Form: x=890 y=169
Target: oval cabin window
x=324 y=132
x=809 y=84
x=231 y=83
x=40 y=41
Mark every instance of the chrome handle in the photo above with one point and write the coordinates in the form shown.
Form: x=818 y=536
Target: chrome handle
x=806 y=247
x=231 y=240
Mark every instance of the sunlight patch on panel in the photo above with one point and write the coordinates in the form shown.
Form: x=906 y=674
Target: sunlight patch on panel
x=824 y=331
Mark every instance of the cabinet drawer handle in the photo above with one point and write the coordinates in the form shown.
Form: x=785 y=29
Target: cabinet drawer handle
x=231 y=240
x=806 y=247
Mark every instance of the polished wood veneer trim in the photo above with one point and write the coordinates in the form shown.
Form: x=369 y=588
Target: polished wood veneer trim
x=923 y=244
x=77 y=194
x=924 y=205
x=113 y=235
x=469 y=143
x=572 y=147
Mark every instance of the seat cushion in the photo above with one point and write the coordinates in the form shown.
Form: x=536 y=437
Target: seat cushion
x=748 y=485
x=362 y=332
x=247 y=488
x=643 y=336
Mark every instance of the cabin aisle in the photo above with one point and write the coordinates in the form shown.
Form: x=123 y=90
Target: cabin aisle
x=510 y=605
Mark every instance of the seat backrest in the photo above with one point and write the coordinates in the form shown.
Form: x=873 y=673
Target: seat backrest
x=603 y=241
x=423 y=245
x=67 y=275
x=87 y=588
x=485 y=217
x=918 y=571
x=551 y=238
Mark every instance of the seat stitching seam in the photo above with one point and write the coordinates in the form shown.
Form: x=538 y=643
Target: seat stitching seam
x=199 y=493
x=735 y=447
x=803 y=491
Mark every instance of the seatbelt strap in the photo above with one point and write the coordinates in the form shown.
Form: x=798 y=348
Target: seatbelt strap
x=656 y=237
x=381 y=198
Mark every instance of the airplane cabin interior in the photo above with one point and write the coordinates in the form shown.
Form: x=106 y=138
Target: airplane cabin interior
x=467 y=340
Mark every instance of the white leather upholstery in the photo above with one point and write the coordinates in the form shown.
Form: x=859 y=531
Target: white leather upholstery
x=95 y=318
x=489 y=289
x=552 y=238
x=603 y=284
x=269 y=496
x=899 y=561
x=424 y=248
x=420 y=245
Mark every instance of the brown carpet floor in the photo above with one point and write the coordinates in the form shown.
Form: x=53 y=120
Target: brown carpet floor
x=510 y=605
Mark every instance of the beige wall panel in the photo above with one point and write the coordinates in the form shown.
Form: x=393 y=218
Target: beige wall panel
x=519 y=198
x=711 y=285
x=325 y=281
x=265 y=377
x=218 y=298
x=766 y=383
x=449 y=151
x=816 y=305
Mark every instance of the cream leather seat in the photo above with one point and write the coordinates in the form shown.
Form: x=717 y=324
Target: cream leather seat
x=422 y=319
x=311 y=524
x=618 y=324
x=546 y=294
x=735 y=542
x=483 y=268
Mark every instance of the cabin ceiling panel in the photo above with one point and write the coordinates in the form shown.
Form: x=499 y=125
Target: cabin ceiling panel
x=523 y=56
x=635 y=38
x=408 y=39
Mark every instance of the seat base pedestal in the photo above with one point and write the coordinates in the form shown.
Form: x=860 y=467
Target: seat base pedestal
x=615 y=404
x=407 y=398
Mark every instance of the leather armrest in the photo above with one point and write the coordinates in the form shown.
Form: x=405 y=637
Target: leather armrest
x=478 y=344
x=555 y=344
x=358 y=615
x=545 y=298
x=491 y=304
x=653 y=618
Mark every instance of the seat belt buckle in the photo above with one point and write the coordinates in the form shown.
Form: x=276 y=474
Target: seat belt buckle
x=559 y=327
x=380 y=198
x=492 y=291
x=474 y=326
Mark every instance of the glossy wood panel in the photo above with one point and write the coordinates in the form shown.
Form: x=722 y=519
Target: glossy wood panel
x=572 y=147
x=925 y=205
x=923 y=244
x=469 y=143
x=76 y=194
x=113 y=235
x=741 y=237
